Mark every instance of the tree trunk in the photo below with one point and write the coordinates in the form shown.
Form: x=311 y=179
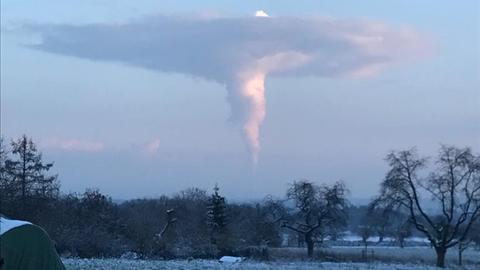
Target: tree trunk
x=380 y=237
x=300 y=240
x=24 y=176
x=441 y=251
x=310 y=244
x=461 y=248
x=402 y=243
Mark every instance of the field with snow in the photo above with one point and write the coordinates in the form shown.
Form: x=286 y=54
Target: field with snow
x=421 y=255
x=347 y=258
x=122 y=264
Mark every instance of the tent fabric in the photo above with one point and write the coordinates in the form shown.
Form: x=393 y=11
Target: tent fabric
x=28 y=247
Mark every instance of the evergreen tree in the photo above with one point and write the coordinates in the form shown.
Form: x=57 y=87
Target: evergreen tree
x=24 y=175
x=4 y=183
x=217 y=221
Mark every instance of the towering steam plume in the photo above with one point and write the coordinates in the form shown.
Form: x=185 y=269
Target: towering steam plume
x=247 y=93
x=241 y=52
x=249 y=88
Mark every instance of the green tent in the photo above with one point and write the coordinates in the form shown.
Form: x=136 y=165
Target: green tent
x=24 y=246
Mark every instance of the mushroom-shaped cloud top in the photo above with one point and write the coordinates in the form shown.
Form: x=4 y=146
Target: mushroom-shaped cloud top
x=241 y=52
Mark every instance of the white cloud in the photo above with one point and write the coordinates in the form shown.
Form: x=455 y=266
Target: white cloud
x=261 y=13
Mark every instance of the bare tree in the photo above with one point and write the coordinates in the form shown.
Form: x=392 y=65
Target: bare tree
x=191 y=234
x=316 y=208
x=473 y=236
x=454 y=188
x=170 y=220
x=401 y=230
x=275 y=209
x=389 y=221
x=462 y=246
x=378 y=221
x=365 y=231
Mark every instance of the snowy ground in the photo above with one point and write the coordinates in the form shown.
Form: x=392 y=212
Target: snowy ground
x=341 y=258
x=122 y=264
x=419 y=255
x=424 y=255
x=352 y=237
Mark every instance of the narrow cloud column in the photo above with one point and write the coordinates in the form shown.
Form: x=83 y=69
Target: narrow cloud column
x=248 y=91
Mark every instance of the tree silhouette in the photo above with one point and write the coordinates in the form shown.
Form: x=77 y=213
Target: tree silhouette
x=317 y=208
x=217 y=221
x=454 y=186
x=24 y=176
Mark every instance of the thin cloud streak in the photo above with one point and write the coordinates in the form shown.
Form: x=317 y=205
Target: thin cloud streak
x=75 y=145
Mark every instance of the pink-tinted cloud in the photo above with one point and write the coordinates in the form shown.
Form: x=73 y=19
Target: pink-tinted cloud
x=73 y=145
x=151 y=148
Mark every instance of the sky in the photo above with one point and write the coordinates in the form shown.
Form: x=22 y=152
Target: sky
x=143 y=98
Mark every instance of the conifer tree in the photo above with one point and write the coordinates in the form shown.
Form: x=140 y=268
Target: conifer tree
x=217 y=221
x=27 y=172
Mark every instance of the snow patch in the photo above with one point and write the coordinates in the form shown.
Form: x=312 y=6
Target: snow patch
x=8 y=224
x=230 y=259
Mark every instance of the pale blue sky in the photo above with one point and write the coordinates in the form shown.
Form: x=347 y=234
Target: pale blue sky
x=96 y=119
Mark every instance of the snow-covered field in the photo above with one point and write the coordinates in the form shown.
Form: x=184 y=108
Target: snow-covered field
x=417 y=255
x=385 y=258
x=408 y=254
x=122 y=264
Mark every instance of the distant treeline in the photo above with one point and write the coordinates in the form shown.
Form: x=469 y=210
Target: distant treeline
x=200 y=224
